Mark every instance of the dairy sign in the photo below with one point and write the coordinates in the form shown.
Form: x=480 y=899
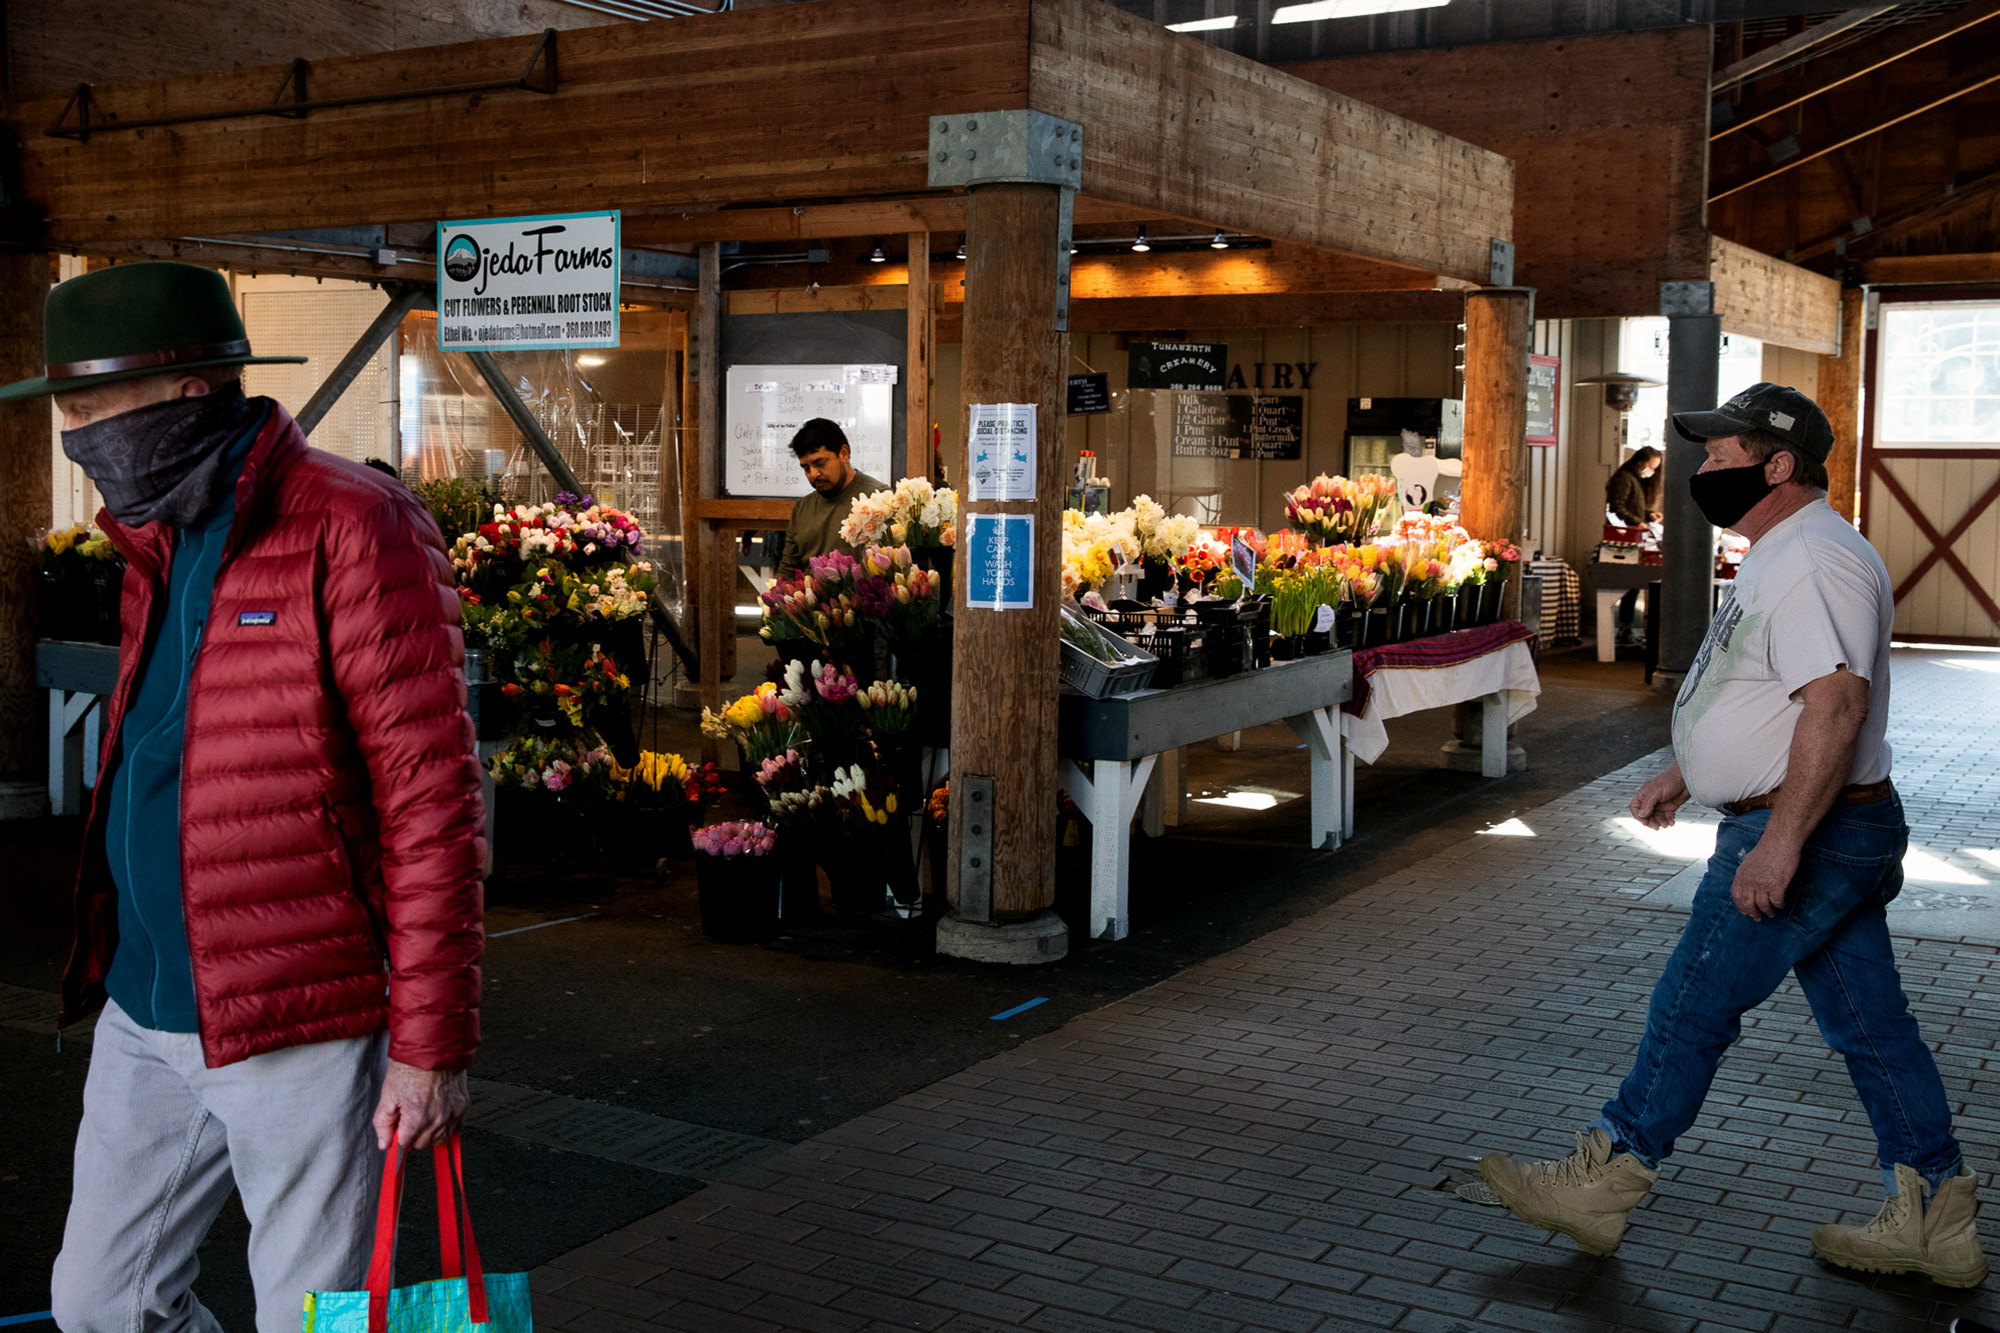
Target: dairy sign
x=528 y=284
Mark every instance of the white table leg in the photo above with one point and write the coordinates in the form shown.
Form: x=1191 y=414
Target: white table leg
x=1607 y=624
x=1109 y=798
x=1493 y=735
x=1233 y=741
x=1320 y=730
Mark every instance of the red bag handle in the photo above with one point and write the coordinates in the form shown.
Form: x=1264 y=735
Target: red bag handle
x=455 y=1242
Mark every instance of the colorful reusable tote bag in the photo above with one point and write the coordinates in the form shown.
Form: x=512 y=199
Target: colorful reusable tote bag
x=467 y=1298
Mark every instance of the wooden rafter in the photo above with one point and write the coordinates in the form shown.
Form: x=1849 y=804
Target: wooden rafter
x=1906 y=218
x=1750 y=66
x=1868 y=121
x=1844 y=66
x=782 y=105
x=939 y=213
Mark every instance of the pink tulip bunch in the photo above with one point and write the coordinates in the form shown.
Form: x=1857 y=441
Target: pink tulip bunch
x=735 y=838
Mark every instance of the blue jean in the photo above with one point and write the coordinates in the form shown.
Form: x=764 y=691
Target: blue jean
x=1834 y=933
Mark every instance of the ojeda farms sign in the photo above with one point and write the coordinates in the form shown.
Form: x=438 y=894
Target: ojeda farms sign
x=528 y=284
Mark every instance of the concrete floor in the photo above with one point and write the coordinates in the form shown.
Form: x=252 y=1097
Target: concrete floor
x=628 y=1059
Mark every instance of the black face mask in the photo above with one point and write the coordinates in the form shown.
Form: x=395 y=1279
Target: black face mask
x=162 y=461
x=1726 y=494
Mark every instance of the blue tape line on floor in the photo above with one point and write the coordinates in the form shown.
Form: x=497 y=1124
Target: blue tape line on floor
x=35 y=1318
x=1020 y=1008
x=539 y=924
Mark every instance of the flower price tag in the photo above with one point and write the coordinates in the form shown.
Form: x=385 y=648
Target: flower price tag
x=1323 y=621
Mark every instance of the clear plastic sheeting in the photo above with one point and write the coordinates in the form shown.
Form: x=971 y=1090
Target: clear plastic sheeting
x=613 y=415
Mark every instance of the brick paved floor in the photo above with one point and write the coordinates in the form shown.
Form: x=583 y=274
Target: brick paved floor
x=1268 y=1140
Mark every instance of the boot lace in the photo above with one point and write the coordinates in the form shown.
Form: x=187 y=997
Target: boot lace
x=1894 y=1214
x=1579 y=1168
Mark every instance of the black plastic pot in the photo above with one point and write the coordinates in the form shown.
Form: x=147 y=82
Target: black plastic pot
x=740 y=896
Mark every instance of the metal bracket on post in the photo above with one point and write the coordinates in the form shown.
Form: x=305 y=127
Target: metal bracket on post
x=1499 y=262
x=1013 y=148
x=975 y=863
x=1687 y=298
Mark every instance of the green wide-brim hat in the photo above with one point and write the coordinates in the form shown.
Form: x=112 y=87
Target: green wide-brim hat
x=131 y=320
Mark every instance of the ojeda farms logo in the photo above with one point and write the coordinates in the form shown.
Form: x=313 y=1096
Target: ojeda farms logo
x=465 y=258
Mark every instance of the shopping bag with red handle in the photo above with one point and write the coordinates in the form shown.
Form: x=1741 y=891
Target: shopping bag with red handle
x=466 y=1298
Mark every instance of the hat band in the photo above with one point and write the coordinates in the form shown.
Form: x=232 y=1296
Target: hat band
x=110 y=365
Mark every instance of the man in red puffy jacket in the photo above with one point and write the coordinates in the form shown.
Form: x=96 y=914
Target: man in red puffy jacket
x=279 y=908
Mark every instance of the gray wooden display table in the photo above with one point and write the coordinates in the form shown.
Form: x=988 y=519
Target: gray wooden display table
x=78 y=677
x=1122 y=740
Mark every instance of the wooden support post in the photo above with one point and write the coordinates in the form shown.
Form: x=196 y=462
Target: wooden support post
x=1003 y=717
x=713 y=618
x=1494 y=489
x=1840 y=399
x=917 y=361
x=25 y=479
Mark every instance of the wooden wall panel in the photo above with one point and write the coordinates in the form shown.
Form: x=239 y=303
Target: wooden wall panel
x=1609 y=137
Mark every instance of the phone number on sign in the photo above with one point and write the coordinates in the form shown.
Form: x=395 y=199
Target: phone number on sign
x=587 y=328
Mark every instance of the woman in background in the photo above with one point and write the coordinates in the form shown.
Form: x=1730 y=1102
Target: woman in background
x=1632 y=497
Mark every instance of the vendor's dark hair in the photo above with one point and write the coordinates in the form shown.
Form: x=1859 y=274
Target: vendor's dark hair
x=1806 y=470
x=1641 y=456
x=818 y=434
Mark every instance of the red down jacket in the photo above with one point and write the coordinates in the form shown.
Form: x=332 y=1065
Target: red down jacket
x=332 y=831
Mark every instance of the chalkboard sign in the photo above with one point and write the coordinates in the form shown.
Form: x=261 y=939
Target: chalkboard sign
x=1089 y=394
x=1544 y=393
x=1238 y=425
x=1176 y=365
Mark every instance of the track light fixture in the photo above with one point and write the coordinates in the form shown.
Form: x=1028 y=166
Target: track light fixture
x=1139 y=242
x=1220 y=242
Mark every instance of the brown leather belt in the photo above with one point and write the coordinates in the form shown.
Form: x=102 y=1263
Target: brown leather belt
x=1860 y=794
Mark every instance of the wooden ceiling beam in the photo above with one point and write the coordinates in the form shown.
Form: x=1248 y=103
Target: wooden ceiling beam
x=1864 y=121
x=936 y=213
x=1906 y=218
x=1297 y=310
x=1763 y=297
x=775 y=106
x=1892 y=270
x=1175 y=124
x=1851 y=62
x=1750 y=66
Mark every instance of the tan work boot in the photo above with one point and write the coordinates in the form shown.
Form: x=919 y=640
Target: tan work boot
x=1941 y=1241
x=1585 y=1195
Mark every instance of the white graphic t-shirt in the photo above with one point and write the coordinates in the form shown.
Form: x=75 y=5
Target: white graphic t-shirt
x=1812 y=595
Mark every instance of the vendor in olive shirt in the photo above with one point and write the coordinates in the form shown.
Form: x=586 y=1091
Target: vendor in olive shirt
x=822 y=450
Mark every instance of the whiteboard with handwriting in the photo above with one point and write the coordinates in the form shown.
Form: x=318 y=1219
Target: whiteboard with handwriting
x=764 y=406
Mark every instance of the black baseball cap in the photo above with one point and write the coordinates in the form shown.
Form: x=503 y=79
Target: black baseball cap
x=1777 y=409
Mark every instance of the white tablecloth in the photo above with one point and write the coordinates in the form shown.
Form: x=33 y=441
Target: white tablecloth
x=1394 y=691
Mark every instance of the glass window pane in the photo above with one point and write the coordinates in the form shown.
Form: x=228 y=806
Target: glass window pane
x=1938 y=381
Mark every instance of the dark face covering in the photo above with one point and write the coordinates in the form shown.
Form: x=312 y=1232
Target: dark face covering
x=164 y=461
x=1725 y=495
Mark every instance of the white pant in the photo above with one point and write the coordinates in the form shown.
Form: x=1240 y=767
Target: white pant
x=163 y=1137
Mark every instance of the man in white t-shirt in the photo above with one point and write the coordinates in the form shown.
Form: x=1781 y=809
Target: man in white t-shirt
x=1780 y=725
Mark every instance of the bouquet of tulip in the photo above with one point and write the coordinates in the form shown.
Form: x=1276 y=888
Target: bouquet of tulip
x=864 y=797
x=1426 y=569
x=1299 y=592
x=77 y=549
x=576 y=679
x=614 y=592
x=1162 y=536
x=1499 y=560
x=576 y=768
x=735 y=838
x=1337 y=509
x=889 y=706
x=914 y=513
x=1095 y=546
x=666 y=781
x=894 y=594
x=818 y=605
x=822 y=698
x=1204 y=558
x=760 y=724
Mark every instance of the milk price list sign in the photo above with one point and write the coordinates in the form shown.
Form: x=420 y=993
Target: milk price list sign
x=546 y=283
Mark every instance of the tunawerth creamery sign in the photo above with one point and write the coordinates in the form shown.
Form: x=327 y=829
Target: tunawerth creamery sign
x=528 y=284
